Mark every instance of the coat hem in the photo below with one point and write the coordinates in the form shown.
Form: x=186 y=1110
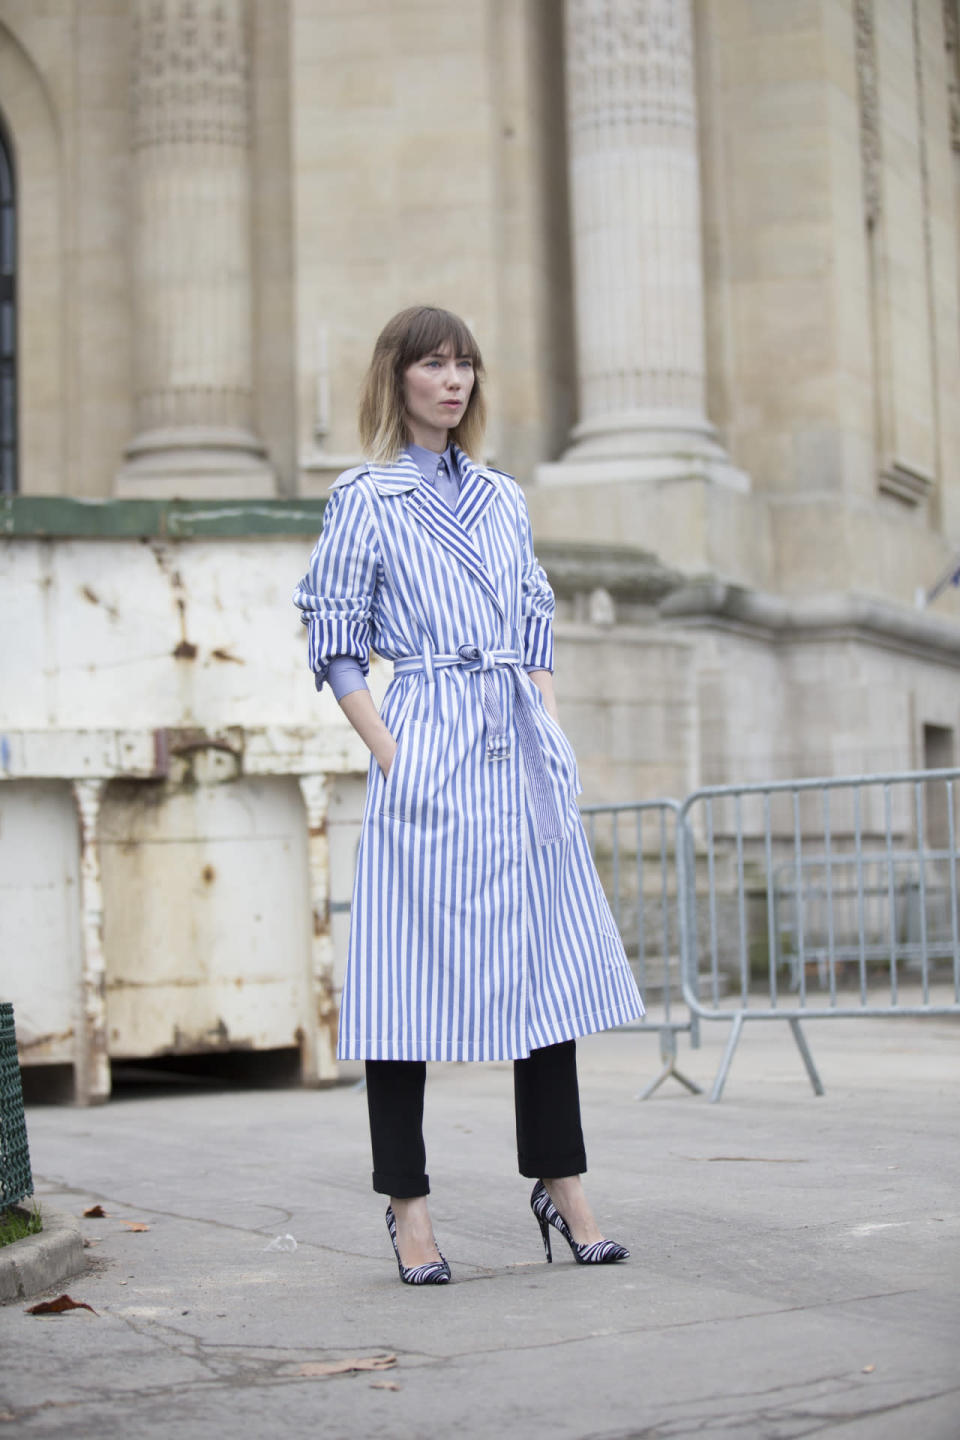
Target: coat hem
x=573 y=1028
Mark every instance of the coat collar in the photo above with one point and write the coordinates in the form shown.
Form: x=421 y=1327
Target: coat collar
x=397 y=478
x=478 y=485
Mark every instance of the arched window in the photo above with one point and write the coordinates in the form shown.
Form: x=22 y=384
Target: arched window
x=8 y=320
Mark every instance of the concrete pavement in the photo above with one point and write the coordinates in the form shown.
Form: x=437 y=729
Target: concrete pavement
x=795 y=1267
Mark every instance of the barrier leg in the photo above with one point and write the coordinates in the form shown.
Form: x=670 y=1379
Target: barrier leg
x=732 y=1042
x=806 y=1057
x=668 y=1054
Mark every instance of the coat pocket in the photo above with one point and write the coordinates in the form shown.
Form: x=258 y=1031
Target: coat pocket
x=558 y=752
x=411 y=780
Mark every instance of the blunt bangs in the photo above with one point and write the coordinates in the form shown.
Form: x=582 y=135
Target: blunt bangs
x=428 y=331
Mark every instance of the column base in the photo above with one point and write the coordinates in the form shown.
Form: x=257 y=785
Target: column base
x=649 y=446
x=652 y=470
x=196 y=464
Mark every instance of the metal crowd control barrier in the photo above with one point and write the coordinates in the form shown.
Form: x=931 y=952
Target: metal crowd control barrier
x=818 y=898
x=634 y=847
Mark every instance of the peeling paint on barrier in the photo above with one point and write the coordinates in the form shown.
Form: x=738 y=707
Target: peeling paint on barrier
x=173 y=705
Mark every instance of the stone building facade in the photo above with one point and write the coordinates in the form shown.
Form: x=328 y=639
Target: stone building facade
x=711 y=251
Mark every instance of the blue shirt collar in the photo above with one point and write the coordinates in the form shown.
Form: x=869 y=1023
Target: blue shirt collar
x=426 y=462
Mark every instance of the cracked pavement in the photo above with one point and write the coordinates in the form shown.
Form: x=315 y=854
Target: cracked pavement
x=795 y=1260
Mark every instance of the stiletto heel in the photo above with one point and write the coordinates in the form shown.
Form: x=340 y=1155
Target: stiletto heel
x=436 y=1272
x=601 y=1252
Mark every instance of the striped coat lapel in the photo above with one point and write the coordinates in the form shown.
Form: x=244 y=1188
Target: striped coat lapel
x=477 y=490
x=434 y=514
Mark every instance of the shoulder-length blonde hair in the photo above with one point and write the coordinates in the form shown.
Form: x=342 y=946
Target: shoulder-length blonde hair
x=415 y=332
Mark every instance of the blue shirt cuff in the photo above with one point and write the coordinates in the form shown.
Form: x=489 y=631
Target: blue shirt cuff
x=345 y=675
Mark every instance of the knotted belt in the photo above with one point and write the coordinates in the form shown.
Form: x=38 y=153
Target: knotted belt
x=547 y=820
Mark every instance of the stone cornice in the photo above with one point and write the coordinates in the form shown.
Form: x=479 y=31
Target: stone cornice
x=624 y=571
x=823 y=617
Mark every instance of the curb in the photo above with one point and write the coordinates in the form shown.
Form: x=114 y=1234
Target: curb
x=39 y=1262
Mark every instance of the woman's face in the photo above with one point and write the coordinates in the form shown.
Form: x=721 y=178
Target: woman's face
x=436 y=389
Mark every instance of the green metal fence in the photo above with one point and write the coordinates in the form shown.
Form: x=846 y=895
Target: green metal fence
x=15 y=1178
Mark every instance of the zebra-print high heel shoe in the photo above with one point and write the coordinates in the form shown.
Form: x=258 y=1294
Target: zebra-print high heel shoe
x=601 y=1252
x=435 y=1272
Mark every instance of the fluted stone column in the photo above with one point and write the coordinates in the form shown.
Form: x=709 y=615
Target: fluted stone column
x=192 y=254
x=635 y=213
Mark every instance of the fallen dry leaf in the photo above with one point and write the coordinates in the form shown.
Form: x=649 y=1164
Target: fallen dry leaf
x=87 y=1242
x=57 y=1307
x=95 y=1212
x=384 y=1385
x=137 y=1225
x=341 y=1367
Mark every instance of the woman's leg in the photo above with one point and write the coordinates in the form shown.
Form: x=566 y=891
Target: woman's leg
x=549 y=1133
x=547 y=1099
x=395 y=1105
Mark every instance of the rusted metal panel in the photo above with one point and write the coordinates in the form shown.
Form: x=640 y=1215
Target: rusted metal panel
x=77 y=754
x=314 y=789
x=165 y=681
x=206 y=899
x=130 y=635
x=40 y=918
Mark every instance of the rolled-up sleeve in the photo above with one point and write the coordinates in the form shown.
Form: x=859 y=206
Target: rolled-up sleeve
x=537 y=603
x=336 y=596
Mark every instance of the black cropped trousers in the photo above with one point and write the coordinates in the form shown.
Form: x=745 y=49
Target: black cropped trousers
x=547 y=1103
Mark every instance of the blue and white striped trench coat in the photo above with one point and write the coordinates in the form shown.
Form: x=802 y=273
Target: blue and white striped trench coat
x=479 y=929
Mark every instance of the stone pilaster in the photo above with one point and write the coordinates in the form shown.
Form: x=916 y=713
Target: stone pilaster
x=192 y=254
x=635 y=203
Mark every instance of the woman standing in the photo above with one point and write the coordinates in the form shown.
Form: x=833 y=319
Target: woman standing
x=479 y=929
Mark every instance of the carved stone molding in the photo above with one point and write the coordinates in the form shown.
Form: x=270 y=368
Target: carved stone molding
x=190 y=73
x=622 y=571
x=869 y=114
x=631 y=68
x=706 y=600
x=905 y=483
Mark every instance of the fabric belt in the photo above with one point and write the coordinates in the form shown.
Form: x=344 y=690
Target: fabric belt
x=548 y=823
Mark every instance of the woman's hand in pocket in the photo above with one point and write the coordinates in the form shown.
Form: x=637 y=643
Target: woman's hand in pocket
x=384 y=755
x=360 y=710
